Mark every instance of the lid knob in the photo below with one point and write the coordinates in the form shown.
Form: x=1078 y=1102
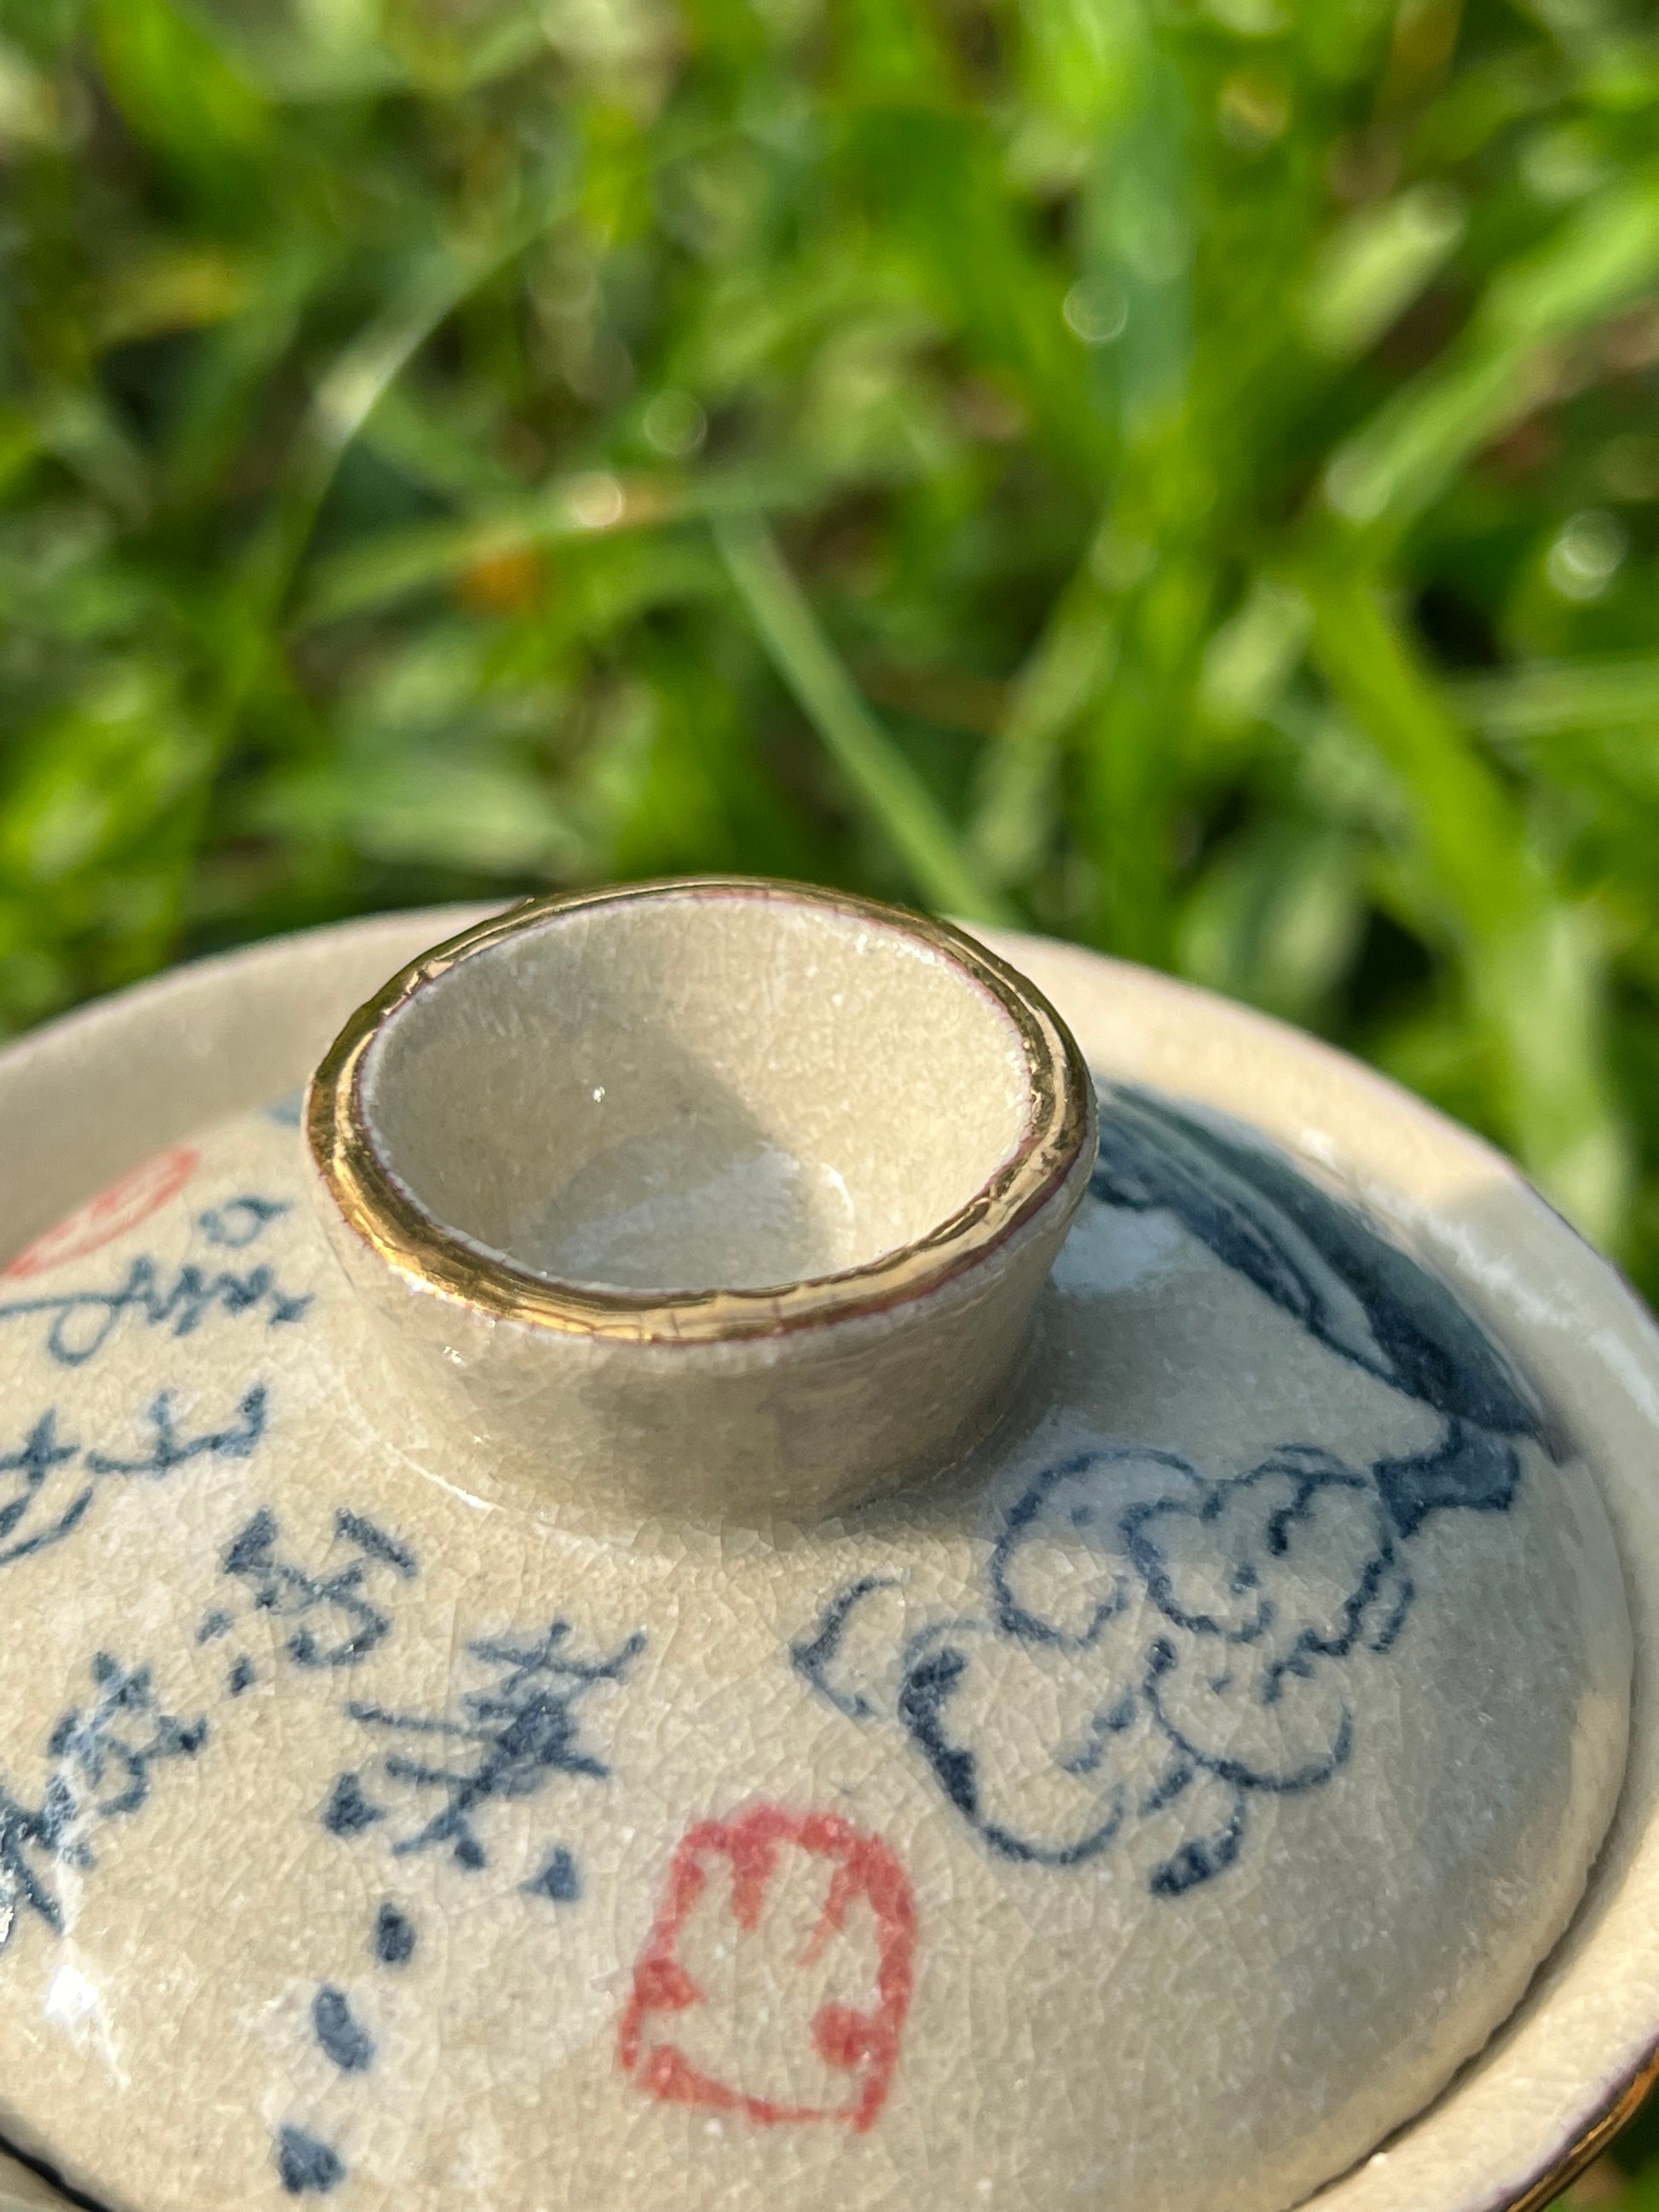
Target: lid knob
x=710 y=1196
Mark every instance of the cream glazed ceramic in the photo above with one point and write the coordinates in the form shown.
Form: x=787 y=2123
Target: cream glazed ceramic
x=1151 y=1807
x=657 y=1188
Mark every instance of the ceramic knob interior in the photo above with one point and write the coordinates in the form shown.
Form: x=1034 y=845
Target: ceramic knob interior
x=837 y=1635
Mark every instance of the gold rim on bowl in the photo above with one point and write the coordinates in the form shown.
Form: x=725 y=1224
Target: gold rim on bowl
x=384 y=1213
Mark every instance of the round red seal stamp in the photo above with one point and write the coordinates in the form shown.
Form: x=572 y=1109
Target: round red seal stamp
x=132 y=1199
x=776 y=1981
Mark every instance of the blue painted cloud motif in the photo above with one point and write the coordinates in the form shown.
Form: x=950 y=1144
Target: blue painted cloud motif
x=1323 y=1263
x=1177 y=1644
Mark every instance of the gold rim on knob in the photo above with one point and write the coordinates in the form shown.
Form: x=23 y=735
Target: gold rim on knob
x=381 y=1211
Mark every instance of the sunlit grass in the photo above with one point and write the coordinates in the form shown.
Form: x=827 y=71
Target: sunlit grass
x=1182 y=476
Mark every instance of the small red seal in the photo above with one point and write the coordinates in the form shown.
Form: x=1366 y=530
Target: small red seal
x=777 y=1978
x=141 y=1192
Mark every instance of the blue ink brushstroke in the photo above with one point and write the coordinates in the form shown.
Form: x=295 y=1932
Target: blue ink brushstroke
x=239 y=1222
x=279 y=1586
x=102 y=1755
x=1214 y=1560
x=179 y=1307
x=339 y=2032
x=43 y=1454
x=394 y=1936
x=510 y=1739
x=560 y=1880
x=305 y=2165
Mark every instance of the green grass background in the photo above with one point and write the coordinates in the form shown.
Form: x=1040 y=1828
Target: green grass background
x=1182 y=476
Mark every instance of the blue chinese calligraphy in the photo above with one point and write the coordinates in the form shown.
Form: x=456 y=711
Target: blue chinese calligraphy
x=336 y=1622
x=82 y=1322
x=177 y=1301
x=508 y=1741
x=307 y=2166
x=394 y=1936
x=38 y=1457
x=102 y=1755
x=348 y=1810
x=239 y=1221
x=339 y=2032
x=560 y=1880
x=38 y=1510
x=169 y=1449
x=1151 y=1643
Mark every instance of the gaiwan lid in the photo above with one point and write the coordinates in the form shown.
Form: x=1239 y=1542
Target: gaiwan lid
x=697 y=1583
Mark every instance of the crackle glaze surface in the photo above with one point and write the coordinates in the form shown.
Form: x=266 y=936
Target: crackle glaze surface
x=1150 y=1815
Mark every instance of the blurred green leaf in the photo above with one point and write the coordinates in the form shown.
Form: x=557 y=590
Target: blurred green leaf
x=1504 y=364
x=173 y=290
x=1373 y=267
x=97 y=777
x=1545 y=701
x=1276 y=919
x=593 y=502
x=180 y=94
x=875 y=769
x=31 y=112
x=1532 y=961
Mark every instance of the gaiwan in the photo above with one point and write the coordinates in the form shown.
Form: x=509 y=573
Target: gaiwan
x=736 y=1568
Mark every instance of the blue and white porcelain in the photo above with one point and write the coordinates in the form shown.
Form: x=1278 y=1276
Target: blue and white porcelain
x=1219 y=1771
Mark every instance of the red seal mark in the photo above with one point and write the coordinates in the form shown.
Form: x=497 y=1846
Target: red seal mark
x=138 y=1193
x=780 y=1964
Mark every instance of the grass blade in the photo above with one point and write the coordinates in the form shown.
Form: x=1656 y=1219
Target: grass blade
x=1599 y=261
x=890 y=789
x=1532 y=963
